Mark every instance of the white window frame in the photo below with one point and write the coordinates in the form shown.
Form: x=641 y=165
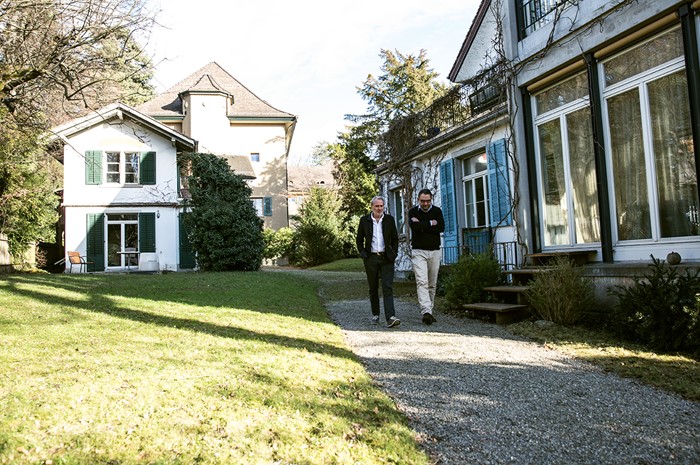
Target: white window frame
x=640 y=82
x=470 y=179
x=121 y=167
x=259 y=205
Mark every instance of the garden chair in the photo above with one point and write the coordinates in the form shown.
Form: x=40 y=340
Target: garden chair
x=74 y=258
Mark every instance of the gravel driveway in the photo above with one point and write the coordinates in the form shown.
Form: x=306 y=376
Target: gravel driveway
x=476 y=394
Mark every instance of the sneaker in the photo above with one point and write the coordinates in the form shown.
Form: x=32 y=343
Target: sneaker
x=393 y=321
x=375 y=320
x=428 y=318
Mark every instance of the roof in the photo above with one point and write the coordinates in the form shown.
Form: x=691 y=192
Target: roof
x=469 y=39
x=121 y=111
x=303 y=178
x=212 y=78
x=240 y=164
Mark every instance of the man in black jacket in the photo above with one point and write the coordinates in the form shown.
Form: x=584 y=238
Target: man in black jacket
x=377 y=242
x=426 y=222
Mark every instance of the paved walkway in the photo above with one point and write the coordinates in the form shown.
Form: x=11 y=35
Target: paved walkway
x=476 y=394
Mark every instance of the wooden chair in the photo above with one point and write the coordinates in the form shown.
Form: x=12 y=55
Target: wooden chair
x=74 y=258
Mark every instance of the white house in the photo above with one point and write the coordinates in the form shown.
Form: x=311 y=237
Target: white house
x=121 y=189
x=227 y=119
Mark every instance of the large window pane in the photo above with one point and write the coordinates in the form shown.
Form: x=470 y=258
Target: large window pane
x=629 y=169
x=676 y=176
x=556 y=227
x=646 y=56
x=562 y=93
x=583 y=176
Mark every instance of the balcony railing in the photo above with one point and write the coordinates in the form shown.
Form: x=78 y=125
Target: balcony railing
x=455 y=109
x=536 y=13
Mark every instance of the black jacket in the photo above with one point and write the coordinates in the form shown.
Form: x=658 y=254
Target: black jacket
x=423 y=235
x=365 y=233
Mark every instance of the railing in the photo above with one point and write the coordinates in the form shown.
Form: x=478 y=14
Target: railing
x=536 y=13
x=505 y=252
x=453 y=110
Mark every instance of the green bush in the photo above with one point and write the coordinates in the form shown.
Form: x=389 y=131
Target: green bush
x=320 y=234
x=224 y=228
x=278 y=243
x=561 y=294
x=465 y=282
x=661 y=309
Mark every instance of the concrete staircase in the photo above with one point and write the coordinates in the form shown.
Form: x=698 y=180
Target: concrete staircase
x=508 y=302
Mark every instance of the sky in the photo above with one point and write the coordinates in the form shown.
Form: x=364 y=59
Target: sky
x=305 y=57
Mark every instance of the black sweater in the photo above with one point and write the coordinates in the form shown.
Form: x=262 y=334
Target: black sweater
x=424 y=236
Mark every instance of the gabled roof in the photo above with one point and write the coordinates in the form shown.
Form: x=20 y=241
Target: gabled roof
x=303 y=178
x=469 y=40
x=240 y=164
x=121 y=111
x=212 y=78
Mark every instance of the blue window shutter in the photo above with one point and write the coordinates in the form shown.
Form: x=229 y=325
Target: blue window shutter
x=499 y=184
x=95 y=241
x=147 y=232
x=449 y=211
x=267 y=206
x=147 y=168
x=93 y=167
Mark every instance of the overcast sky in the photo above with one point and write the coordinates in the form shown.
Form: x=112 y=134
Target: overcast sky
x=305 y=57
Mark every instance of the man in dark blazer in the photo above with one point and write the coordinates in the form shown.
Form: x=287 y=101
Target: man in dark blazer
x=378 y=243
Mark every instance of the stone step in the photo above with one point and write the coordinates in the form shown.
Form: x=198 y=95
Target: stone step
x=505 y=288
x=505 y=313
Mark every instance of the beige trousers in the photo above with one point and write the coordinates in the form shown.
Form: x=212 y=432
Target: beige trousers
x=426 y=266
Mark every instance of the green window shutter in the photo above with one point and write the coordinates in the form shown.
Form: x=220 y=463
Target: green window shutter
x=499 y=184
x=147 y=232
x=96 y=241
x=188 y=259
x=147 y=168
x=267 y=206
x=93 y=167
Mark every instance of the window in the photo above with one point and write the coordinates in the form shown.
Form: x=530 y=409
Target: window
x=653 y=177
x=258 y=205
x=533 y=14
x=122 y=167
x=122 y=236
x=566 y=164
x=476 y=188
x=254 y=157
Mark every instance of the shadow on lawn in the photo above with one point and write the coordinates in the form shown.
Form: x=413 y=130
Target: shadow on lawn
x=99 y=289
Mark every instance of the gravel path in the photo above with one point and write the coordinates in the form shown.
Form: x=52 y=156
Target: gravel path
x=479 y=395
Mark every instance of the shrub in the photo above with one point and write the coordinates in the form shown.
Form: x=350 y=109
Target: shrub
x=278 y=243
x=224 y=228
x=661 y=309
x=561 y=294
x=465 y=282
x=320 y=233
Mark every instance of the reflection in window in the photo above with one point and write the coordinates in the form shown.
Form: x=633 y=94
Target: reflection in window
x=122 y=167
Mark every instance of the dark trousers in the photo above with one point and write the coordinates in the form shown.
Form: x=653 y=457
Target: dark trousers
x=378 y=267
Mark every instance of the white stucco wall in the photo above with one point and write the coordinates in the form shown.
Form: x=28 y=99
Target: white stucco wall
x=81 y=199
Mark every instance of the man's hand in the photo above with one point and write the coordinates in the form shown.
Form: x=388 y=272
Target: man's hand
x=414 y=219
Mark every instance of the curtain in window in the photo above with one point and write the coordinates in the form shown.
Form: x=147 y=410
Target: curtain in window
x=676 y=176
x=629 y=169
x=584 y=189
x=556 y=224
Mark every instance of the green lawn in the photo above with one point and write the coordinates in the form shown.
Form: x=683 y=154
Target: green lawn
x=183 y=368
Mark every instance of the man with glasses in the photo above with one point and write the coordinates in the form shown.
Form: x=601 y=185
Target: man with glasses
x=426 y=222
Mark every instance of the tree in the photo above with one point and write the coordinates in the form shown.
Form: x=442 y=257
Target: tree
x=320 y=229
x=225 y=231
x=59 y=59
x=406 y=85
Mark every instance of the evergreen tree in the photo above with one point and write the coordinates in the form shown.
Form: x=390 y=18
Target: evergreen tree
x=225 y=231
x=320 y=231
